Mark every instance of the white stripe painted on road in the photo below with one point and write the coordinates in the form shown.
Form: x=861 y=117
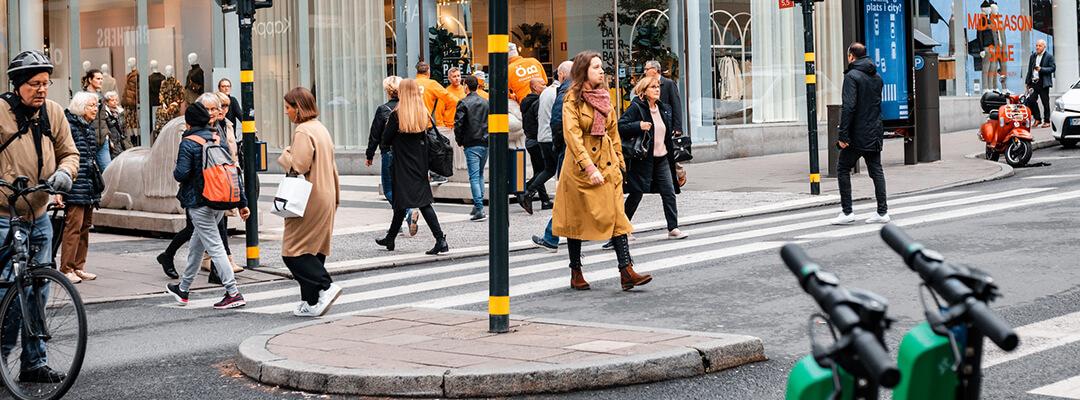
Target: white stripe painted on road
x=1063 y=176
x=1066 y=389
x=1037 y=337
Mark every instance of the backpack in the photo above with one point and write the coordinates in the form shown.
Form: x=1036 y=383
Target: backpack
x=221 y=175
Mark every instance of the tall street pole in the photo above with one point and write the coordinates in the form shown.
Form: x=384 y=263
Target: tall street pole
x=498 y=153
x=811 y=95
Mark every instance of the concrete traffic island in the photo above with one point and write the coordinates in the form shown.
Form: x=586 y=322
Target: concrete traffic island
x=447 y=353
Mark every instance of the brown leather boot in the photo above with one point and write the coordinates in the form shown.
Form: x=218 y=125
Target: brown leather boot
x=631 y=278
x=577 y=280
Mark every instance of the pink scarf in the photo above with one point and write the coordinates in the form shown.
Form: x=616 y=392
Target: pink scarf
x=600 y=100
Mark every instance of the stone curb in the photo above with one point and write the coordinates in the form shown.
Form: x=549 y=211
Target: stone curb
x=727 y=351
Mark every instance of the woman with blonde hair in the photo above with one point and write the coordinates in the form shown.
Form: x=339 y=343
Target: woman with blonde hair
x=386 y=155
x=590 y=191
x=306 y=242
x=406 y=132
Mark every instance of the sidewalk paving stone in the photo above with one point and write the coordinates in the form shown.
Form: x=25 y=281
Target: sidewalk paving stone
x=337 y=355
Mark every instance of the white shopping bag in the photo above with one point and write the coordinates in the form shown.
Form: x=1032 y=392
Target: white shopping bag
x=292 y=197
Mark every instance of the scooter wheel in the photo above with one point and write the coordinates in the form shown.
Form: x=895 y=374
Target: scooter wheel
x=1019 y=153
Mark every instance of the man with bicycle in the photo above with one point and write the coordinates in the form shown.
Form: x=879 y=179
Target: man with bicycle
x=35 y=142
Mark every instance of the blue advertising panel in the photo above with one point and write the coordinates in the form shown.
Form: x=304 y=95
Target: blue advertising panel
x=887 y=37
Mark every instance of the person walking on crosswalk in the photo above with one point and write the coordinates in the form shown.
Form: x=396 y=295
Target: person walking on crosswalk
x=306 y=242
x=406 y=132
x=861 y=133
x=590 y=190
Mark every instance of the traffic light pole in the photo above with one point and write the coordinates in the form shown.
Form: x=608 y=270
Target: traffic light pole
x=498 y=153
x=811 y=95
x=245 y=11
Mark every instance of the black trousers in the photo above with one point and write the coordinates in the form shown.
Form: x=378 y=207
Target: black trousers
x=1040 y=94
x=541 y=172
x=847 y=160
x=310 y=272
x=430 y=217
x=622 y=251
x=662 y=180
x=184 y=236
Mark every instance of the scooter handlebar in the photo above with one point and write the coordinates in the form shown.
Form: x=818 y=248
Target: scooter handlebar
x=992 y=326
x=796 y=260
x=876 y=360
x=899 y=241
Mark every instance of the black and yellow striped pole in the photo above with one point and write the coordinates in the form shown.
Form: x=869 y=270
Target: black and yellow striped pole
x=498 y=154
x=811 y=95
x=245 y=11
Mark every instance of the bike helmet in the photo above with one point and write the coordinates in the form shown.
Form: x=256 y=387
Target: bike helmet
x=26 y=65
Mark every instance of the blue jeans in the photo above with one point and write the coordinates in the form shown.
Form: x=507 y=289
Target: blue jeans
x=104 y=157
x=549 y=237
x=475 y=159
x=388 y=181
x=33 y=354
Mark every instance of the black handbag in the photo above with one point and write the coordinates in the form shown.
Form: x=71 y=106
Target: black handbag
x=97 y=181
x=681 y=148
x=440 y=153
x=637 y=148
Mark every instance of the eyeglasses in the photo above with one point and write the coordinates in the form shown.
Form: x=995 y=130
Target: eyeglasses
x=40 y=85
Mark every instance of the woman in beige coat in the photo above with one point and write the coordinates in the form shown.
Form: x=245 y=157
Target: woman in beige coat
x=590 y=192
x=306 y=242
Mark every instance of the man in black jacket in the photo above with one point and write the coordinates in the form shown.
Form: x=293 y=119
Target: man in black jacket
x=669 y=94
x=530 y=107
x=470 y=132
x=1040 y=78
x=861 y=133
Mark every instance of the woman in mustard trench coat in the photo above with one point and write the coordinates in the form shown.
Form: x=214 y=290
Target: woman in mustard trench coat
x=589 y=203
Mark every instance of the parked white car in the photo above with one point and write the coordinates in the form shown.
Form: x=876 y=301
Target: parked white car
x=1065 y=120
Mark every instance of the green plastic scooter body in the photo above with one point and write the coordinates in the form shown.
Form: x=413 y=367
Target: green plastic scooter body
x=810 y=381
x=925 y=360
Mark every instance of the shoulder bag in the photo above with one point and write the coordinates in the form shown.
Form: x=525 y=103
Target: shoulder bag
x=440 y=152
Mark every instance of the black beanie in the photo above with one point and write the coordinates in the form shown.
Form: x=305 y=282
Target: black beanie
x=197 y=116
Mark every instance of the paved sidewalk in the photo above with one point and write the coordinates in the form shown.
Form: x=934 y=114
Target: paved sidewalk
x=446 y=353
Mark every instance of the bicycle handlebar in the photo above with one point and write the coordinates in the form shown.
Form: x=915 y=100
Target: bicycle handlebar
x=869 y=349
x=941 y=278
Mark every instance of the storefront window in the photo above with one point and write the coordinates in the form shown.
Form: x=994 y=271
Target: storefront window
x=277 y=69
x=4 y=37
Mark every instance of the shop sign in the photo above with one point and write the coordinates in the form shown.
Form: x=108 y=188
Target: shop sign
x=271 y=28
x=787 y=4
x=888 y=44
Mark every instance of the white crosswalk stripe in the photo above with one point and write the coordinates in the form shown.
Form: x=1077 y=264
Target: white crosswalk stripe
x=463 y=283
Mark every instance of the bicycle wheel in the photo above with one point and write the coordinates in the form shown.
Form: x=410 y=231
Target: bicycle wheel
x=54 y=334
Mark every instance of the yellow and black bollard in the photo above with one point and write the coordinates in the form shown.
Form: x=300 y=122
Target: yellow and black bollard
x=811 y=95
x=498 y=129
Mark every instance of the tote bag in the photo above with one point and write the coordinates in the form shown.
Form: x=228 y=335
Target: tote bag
x=292 y=197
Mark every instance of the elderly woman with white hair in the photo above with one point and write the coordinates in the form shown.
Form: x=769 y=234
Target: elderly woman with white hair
x=85 y=193
x=113 y=115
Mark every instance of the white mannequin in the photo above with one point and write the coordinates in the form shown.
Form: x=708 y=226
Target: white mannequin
x=153 y=66
x=192 y=59
x=108 y=83
x=131 y=62
x=105 y=70
x=85 y=66
x=169 y=71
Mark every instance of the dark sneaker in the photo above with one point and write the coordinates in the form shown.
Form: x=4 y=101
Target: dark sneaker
x=41 y=375
x=228 y=302
x=543 y=244
x=609 y=245
x=547 y=205
x=478 y=216
x=439 y=179
x=180 y=295
x=167 y=265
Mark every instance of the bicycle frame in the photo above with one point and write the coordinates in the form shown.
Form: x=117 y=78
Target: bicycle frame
x=21 y=231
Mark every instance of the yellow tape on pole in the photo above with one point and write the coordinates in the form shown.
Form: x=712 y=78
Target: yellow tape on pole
x=247 y=76
x=811 y=79
x=498 y=43
x=808 y=57
x=499 y=305
x=247 y=126
x=498 y=123
x=253 y=252
x=815 y=178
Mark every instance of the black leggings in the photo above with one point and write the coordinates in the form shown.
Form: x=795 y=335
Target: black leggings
x=543 y=170
x=622 y=251
x=184 y=236
x=429 y=216
x=310 y=272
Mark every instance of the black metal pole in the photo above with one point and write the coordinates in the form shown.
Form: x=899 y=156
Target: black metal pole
x=811 y=95
x=246 y=14
x=498 y=153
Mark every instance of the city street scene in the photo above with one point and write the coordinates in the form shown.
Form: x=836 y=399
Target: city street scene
x=539 y=199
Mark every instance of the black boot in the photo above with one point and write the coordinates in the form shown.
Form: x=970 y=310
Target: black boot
x=387 y=241
x=547 y=205
x=525 y=201
x=167 y=265
x=440 y=247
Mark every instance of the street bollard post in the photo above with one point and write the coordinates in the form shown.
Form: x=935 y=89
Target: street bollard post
x=498 y=131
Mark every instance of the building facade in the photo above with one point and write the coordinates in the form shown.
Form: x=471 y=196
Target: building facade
x=739 y=63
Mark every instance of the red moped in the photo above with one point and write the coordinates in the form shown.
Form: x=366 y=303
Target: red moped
x=1008 y=129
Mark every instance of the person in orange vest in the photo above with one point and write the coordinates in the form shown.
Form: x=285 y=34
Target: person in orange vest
x=522 y=71
x=434 y=93
x=445 y=114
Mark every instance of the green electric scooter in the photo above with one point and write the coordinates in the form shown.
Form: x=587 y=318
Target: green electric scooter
x=856 y=364
x=942 y=357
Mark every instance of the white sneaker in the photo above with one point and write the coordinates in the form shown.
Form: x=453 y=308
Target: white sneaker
x=843 y=219
x=677 y=234
x=329 y=296
x=879 y=219
x=305 y=310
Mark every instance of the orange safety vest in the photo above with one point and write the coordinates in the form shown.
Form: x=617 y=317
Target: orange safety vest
x=523 y=70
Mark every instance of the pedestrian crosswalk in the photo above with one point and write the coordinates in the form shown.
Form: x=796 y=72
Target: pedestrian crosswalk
x=462 y=282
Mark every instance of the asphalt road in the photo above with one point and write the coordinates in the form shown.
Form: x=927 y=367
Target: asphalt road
x=149 y=349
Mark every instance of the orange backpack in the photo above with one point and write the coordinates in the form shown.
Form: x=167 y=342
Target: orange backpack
x=221 y=176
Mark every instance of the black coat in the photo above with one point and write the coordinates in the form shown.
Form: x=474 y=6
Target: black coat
x=471 y=121
x=378 y=124
x=409 y=172
x=669 y=94
x=530 y=115
x=639 y=174
x=1046 y=72
x=860 y=114
x=82 y=190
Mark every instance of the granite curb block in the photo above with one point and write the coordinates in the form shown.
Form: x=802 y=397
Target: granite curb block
x=726 y=351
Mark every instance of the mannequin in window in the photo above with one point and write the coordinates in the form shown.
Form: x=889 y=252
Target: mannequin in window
x=86 y=67
x=130 y=99
x=172 y=94
x=195 y=83
x=993 y=43
x=156 y=77
x=109 y=83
